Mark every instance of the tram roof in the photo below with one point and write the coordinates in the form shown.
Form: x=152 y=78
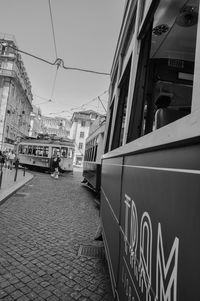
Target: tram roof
x=62 y=142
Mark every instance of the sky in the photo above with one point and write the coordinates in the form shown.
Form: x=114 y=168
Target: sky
x=86 y=34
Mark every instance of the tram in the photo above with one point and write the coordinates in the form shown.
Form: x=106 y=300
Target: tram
x=150 y=191
x=39 y=153
x=93 y=153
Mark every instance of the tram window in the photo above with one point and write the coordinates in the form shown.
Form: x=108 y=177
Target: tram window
x=24 y=149
x=121 y=110
x=109 y=128
x=123 y=122
x=70 y=153
x=89 y=154
x=30 y=149
x=20 y=149
x=34 y=150
x=95 y=152
x=143 y=9
x=39 y=151
x=161 y=62
x=64 y=151
x=91 y=158
x=55 y=151
x=129 y=34
x=46 y=151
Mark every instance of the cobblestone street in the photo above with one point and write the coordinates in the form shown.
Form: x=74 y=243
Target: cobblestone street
x=42 y=229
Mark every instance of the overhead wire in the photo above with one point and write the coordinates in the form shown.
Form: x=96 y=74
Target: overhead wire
x=41 y=103
x=83 y=105
x=40 y=96
x=52 y=25
x=56 y=53
x=57 y=62
x=106 y=91
x=54 y=84
x=85 y=70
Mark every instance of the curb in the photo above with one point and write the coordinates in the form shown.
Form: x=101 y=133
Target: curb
x=11 y=190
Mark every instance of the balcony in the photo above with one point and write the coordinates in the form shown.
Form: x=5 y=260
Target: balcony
x=5 y=72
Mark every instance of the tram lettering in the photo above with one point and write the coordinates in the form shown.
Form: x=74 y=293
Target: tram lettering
x=166 y=291
x=145 y=254
x=133 y=238
x=127 y=287
x=127 y=206
x=140 y=241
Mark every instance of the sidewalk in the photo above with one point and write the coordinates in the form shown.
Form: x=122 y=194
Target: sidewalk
x=9 y=186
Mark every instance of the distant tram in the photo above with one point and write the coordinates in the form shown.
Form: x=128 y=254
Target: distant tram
x=150 y=183
x=39 y=153
x=93 y=153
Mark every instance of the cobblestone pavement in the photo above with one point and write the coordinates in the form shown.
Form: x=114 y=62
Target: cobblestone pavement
x=42 y=228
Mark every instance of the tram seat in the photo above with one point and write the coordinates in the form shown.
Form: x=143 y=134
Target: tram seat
x=164 y=116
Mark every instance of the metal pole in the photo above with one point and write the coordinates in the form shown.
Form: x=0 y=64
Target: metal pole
x=1 y=174
x=16 y=169
x=24 y=172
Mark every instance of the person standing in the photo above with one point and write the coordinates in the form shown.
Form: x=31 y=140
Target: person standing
x=2 y=159
x=55 y=166
x=11 y=158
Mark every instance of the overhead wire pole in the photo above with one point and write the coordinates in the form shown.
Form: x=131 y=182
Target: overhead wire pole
x=102 y=103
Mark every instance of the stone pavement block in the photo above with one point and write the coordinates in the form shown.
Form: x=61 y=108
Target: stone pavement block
x=32 y=296
x=4 y=284
x=16 y=294
x=45 y=294
x=52 y=298
x=40 y=240
x=3 y=294
x=95 y=297
x=23 y=298
x=9 y=289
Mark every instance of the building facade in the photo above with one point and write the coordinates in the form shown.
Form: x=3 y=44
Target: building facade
x=15 y=95
x=57 y=126
x=81 y=122
x=35 y=122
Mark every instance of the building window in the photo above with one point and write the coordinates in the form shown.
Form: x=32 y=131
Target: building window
x=81 y=134
x=82 y=123
x=13 y=89
x=80 y=146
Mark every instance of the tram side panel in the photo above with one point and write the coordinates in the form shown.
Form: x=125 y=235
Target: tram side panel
x=92 y=174
x=110 y=212
x=159 y=245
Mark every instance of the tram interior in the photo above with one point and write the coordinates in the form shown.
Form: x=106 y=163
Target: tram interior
x=169 y=83
x=163 y=86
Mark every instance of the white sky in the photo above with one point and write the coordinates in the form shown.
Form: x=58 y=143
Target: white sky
x=86 y=34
